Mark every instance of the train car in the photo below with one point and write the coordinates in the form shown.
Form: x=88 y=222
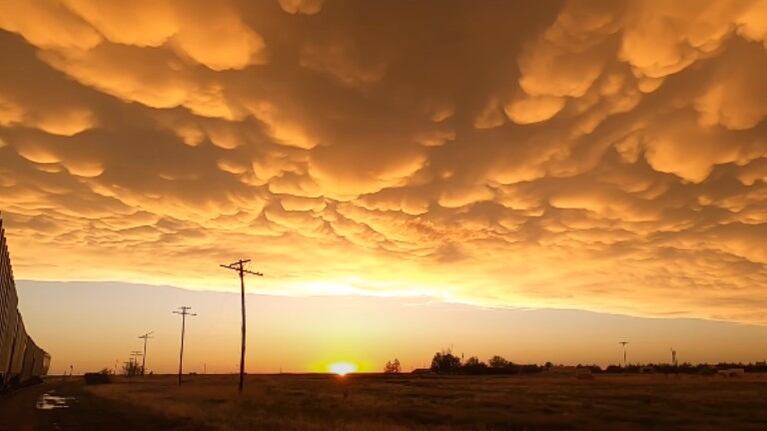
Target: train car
x=22 y=361
x=8 y=307
x=41 y=368
x=7 y=342
x=32 y=355
x=18 y=350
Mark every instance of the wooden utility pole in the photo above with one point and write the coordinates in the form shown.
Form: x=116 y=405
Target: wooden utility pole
x=146 y=337
x=239 y=267
x=184 y=312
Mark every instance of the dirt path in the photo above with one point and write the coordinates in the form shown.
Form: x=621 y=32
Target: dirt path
x=17 y=410
x=78 y=411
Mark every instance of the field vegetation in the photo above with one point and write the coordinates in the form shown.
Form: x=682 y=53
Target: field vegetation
x=547 y=401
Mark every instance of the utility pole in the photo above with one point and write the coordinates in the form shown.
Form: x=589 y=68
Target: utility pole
x=184 y=312
x=146 y=337
x=623 y=343
x=239 y=267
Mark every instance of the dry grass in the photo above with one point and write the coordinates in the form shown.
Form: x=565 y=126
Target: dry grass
x=319 y=402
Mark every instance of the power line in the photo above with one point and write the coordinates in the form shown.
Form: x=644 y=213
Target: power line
x=146 y=337
x=239 y=267
x=184 y=312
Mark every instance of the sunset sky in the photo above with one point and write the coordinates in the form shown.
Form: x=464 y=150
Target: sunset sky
x=395 y=169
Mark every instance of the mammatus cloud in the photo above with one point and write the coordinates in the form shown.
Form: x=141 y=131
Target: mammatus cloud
x=308 y=7
x=601 y=155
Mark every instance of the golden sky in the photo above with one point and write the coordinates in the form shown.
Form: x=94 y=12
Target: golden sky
x=599 y=155
x=90 y=325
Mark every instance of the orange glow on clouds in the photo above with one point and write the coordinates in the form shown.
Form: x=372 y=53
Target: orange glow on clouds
x=606 y=156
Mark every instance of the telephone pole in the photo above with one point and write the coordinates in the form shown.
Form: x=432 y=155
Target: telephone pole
x=239 y=267
x=184 y=312
x=146 y=337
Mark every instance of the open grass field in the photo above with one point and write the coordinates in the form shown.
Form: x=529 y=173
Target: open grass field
x=407 y=402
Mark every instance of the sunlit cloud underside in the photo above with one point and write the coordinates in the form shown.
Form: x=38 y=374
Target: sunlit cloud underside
x=601 y=155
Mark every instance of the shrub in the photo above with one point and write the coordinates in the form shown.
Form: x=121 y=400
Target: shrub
x=99 y=378
x=498 y=362
x=445 y=362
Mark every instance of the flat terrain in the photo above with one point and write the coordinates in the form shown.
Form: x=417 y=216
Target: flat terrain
x=406 y=402
x=70 y=408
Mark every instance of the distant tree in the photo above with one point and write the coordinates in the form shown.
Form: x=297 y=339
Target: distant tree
x=498 y=362
x=131 y=369
x=392 y=367
x=474 y=366
x=548 y=365
x=445 y=362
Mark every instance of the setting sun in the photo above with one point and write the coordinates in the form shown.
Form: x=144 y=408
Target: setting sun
x=342 y=368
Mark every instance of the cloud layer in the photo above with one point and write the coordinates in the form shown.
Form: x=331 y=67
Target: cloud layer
x=592 y=154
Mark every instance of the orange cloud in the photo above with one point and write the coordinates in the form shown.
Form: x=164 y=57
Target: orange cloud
x=308 y=7
x=601 y=155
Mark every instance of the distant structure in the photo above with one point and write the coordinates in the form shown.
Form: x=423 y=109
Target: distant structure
x=133 y=363
x=673 y=357
x=624 y=343
x=20 y=358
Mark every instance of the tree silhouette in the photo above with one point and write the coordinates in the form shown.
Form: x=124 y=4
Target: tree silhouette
x=445 y=362
x=498 y=362
x=474 y=366
x=131 y=369
x=392 y=367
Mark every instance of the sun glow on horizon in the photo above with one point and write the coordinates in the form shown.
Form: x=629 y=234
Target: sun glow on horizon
x=342 y=368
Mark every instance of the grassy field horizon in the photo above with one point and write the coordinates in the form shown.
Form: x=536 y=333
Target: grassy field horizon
x=369 y=401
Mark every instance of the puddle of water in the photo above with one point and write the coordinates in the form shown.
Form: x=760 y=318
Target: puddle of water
x=48 y=401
